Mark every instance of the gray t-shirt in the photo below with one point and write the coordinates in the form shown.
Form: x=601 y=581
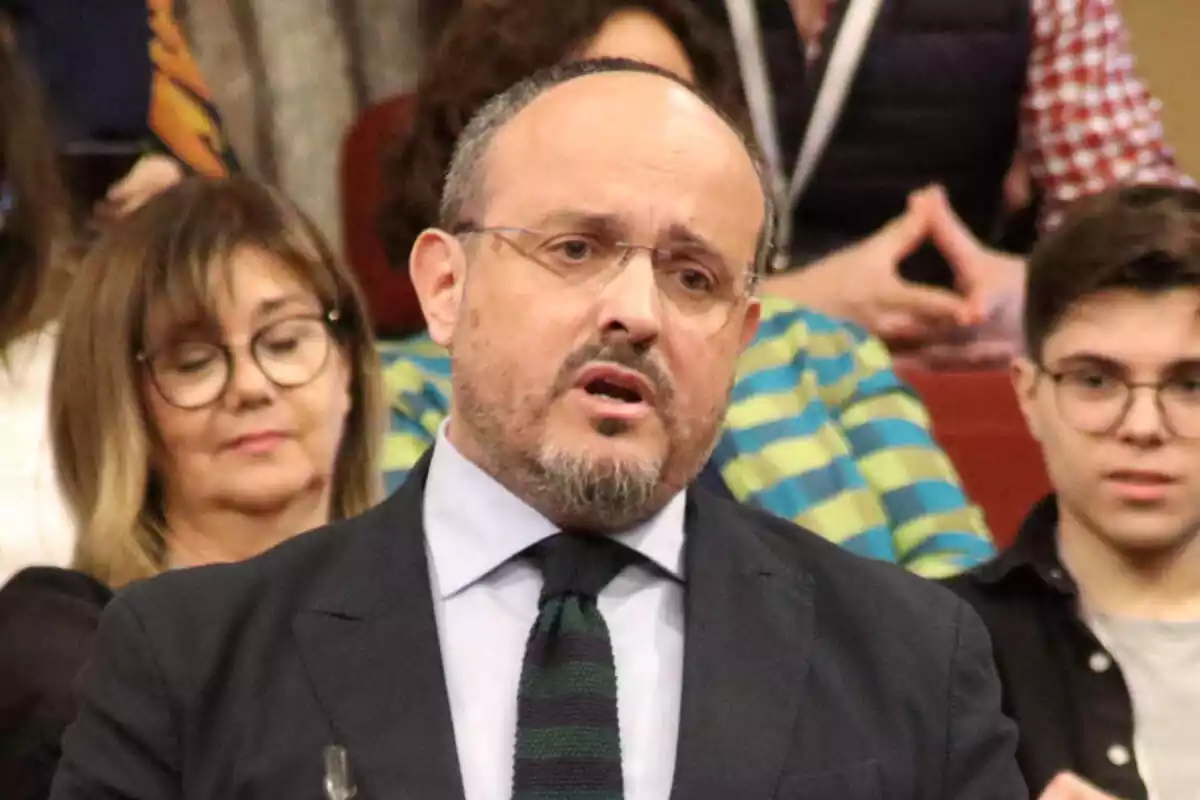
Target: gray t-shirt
x=1161 y=665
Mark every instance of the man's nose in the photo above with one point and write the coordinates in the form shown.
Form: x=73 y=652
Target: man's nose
x=631 y=301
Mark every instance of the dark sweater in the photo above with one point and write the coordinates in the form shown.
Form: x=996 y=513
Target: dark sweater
x=48 y=619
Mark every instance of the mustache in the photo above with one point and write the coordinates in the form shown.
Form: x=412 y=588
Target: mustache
x=630 y=356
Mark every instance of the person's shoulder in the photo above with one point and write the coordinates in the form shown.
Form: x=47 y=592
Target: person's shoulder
x=39 y=586
x=834 y=352
x=48 y=619
x=416 y=376
x=781 y=316
x=1002 y=588
x=274 y=582
x=418 y=353
x=851 y=585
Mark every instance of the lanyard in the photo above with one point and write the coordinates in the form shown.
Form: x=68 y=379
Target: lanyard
x=831 y=96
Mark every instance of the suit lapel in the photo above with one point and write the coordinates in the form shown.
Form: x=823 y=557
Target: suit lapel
x=749 y=635
x=369 y=645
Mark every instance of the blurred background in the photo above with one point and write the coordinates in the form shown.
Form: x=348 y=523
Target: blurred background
x=290 y=76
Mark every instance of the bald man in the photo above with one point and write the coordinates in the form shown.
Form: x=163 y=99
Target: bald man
x=549 y=607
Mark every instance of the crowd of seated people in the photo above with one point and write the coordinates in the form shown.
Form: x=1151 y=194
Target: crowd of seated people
x=200 y=585
x=1034 y=93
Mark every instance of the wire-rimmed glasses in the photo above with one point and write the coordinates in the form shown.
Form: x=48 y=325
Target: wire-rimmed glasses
x=694 y=281
x=291 y=352
x=1093 y=399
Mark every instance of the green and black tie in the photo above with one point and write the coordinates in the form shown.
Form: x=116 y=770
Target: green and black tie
x=568 y=737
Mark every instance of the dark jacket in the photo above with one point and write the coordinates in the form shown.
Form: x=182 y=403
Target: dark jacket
x=48 y=619
x=936 y=99
x=1065 y=692
x=809 y=674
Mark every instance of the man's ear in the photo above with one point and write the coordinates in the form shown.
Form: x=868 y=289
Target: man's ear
x=750 y=321
x=437 y=266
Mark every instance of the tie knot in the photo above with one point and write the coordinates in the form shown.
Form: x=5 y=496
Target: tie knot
x=579 y=564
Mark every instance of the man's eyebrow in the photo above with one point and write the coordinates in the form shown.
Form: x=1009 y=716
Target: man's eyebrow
x=583 y=221
x=683 y=234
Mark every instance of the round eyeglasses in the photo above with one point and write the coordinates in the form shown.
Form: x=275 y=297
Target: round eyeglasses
x=290 y=353
x=694 y=281
x=1094 y=400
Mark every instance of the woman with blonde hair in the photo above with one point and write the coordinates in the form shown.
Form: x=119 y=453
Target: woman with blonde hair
x=216 y=392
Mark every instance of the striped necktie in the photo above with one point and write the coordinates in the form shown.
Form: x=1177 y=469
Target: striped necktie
x=568 y=738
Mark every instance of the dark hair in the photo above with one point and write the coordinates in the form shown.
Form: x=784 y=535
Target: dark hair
x=1145 y=238
x=491 y=45
x=34 y=218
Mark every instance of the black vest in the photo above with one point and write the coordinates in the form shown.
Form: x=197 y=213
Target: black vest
x=936 y=99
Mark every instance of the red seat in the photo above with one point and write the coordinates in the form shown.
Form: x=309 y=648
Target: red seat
x=978 y=423
x=389 y=292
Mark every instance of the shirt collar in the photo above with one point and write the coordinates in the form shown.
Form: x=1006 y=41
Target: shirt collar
x=1034 y=552
x=473 y=524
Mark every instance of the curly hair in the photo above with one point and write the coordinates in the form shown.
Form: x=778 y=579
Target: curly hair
x=491 y=45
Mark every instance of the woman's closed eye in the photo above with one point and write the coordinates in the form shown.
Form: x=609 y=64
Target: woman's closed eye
x=191 y=358
x=286 y=338
x=281 y=345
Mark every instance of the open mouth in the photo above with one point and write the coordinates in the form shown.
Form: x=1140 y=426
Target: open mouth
x=611 y=382
x=604 y=387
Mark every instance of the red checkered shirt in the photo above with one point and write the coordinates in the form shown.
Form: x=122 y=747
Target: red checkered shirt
x=1087 y=121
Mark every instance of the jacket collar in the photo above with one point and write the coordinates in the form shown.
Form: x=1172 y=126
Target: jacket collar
x=1033 y=554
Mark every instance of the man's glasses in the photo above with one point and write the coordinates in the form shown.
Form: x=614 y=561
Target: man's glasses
x=693 y=281
x=1093 y=399
x=292 y=352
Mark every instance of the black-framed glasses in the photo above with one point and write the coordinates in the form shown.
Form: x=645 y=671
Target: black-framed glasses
x=694 y=281
x=291 y=352
x=1095 y=399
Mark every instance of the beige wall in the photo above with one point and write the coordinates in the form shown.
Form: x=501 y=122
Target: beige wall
x=1166 y=41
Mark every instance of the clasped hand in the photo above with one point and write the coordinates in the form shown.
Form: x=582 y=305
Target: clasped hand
x=977 y=326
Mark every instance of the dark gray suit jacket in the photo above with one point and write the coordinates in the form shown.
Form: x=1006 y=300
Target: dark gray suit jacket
x=809 y=674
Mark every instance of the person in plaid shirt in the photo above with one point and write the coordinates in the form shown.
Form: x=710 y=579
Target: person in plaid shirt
x=945 y=94
x=820 y=431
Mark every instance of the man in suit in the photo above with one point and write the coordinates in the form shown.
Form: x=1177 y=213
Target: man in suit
x=547 y=607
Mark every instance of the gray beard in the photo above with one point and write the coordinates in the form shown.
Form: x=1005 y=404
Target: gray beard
x=577 y=491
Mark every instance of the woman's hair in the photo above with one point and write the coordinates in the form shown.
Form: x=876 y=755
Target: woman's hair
x=172 y=254
x=34 y=209
x=491 y=45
